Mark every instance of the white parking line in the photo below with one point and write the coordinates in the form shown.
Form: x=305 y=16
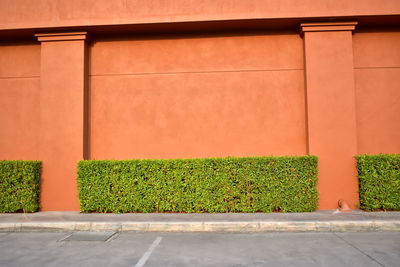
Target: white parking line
x=146 y=255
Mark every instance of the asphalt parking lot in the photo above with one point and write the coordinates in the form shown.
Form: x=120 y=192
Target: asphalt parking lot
x=200 y=249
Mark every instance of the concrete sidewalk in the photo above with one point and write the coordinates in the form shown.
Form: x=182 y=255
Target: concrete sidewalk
x=319 y=221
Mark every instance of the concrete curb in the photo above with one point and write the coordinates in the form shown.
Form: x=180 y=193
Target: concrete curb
x=205 y=226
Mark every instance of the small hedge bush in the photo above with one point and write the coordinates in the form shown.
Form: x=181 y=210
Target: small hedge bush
x=19 y=186
x=379 y=182
x=256 y=184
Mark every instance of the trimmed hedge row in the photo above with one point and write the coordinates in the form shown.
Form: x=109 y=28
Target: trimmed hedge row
x=254 y=184
x=19 y=185
x=379 y=182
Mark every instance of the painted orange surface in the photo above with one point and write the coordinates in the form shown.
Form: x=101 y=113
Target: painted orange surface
x=56 y=13
x=19 y=117
x=61 y=122
x=188 y=53
x=331 y=114
x=378 y=110
x=376 y=49
x=19 y=60
x=197 y=115
x=377 y=81
x=165 y=94
x=19 y=101
x=196 y=97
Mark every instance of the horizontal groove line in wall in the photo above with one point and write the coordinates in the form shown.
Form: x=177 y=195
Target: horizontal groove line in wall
x=23 y=77
x=188 y=72
x=367 y=68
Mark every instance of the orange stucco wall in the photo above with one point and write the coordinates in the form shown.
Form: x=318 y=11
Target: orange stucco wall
x=19 y=101
x=377 y=81
x=19 y=14
x=178 y=79
x=197 y=97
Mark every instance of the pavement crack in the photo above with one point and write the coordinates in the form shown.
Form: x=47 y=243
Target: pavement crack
x=359 y=250
x=65 y=237
x=112 y=237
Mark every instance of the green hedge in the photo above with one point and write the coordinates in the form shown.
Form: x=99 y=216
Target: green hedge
x=19 y=186
x=256 y=184
x=379 y=181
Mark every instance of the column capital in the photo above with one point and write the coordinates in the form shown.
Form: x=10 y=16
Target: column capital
x=327 y=26
x=61 y=36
